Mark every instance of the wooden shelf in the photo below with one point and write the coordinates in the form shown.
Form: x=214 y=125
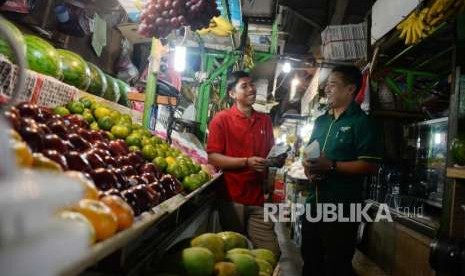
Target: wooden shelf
x=456 y=173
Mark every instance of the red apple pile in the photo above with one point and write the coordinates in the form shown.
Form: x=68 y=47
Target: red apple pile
x=160 y=17
x=113 y=168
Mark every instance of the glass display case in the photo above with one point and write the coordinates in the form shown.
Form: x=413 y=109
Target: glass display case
x=414 y=186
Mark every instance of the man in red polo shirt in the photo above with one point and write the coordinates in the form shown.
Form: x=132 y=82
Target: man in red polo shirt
x=239 y=140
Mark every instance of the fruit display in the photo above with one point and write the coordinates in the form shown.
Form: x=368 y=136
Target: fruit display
x=423 y=22
x=123 y=91
x=118 y=156
x=160 y=17
x=5 y=48
x=98 y=82
x=207 y=255
x=249 y=54
x=42 y=57
x=75 y=69
x=218 y=26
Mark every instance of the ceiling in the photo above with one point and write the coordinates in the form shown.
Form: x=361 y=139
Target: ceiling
x=303 y=20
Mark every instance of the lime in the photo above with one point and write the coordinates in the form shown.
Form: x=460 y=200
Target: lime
x=147 y=133
x=87 y=115
x=149 y=152
x=146 y=141
x=94 y=126
x=61 y=110
x=155 y=140
x=160 y=162
x=101 y=112
x=161 y=153
x=134 y=148
x=204 y=176
x=175 y=171
x=75 y=107
x=86 y=101
x=133 y=140
x=197 y=167
x=188 y=183
x=170 y=160
x=110 y=135
x=136 y=126
x=95 y=105
x=185 y=170
x=115 y=115
x=120 y=131
x=197 y=179
x=126 y=118
x=105 y=122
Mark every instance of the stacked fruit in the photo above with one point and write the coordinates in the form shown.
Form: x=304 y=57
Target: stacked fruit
x=422 y=23
x=221 y=254
x=160 y=17
x=218 y=26
x=67 y=66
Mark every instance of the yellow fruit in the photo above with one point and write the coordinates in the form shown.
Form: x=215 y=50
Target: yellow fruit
x=170 y=160
x=23 y=154
x=42 y=162
x=76 y=217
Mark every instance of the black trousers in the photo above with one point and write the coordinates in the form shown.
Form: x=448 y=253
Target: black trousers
x=328 y=247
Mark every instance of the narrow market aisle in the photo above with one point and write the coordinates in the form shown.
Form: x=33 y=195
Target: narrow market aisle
x=290 y=261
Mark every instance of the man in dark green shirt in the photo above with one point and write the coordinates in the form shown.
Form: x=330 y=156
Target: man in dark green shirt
x=350 y=144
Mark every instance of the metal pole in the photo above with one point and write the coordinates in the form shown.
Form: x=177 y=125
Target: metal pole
x=150 y=88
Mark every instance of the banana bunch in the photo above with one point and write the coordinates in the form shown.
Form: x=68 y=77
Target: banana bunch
x=249 y=55
x=413 y=28
x=443 y=9
x=422 y=23
x=219 y=26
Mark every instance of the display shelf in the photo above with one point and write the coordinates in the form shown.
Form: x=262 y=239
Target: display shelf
x=103 y=249
x=456 y=173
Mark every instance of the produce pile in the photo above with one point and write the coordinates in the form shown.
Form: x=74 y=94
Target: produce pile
x=220 y=254
x=89 y=138
x=66 y=66
x=421 y=23
x=160 y=17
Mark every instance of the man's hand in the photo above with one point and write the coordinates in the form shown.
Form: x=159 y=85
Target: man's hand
x=320 y=165
x=256 y=163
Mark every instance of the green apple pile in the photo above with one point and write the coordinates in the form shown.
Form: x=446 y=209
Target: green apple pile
x=153 y=148
x=220 y=254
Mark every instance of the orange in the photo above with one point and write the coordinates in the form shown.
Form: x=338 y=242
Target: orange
x=122 y=210
x=100 y=215
x=82 y=220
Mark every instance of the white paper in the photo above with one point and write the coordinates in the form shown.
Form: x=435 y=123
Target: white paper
x=312 y=151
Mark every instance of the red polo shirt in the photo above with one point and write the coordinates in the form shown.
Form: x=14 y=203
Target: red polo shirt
x=231 y=133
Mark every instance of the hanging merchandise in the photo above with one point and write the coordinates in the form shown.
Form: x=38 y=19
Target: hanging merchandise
x=18 y=6
x=71 y=20
x=160 y=17
x=126 y=70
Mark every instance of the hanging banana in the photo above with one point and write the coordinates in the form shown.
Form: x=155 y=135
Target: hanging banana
x=218 y=26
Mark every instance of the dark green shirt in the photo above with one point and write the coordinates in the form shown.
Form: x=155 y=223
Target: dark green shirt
x=353 y=136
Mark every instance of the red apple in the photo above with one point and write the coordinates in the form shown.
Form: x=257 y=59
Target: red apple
x=77 y=162
x=122 y=181
x=59 y=128
x=54 y=142
x=94 y=160
x=13 y=118
x=135 y=158
x=95 y=136
x=129 y=171
x=110 y=161
x=149 y=177
x=78 y=142
x=103 y=179
x=160 y=190
x=84 y=133
x=33 y=137
x=130 y=197
x=57 y=157
x=123 y=161
x=150 y=168
x=101 y=145
x=28 y=110
x=44 y=128
x=111 y=191
x=118 y=147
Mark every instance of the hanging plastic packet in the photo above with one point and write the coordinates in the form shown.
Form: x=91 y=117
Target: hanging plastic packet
x=312 y=151
x=276 y=154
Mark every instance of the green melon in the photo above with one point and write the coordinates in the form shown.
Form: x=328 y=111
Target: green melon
x=112 y=92
x=123 y=91
x=5 y=48
x=75 y=69
x=98 y=81
x=42 y=57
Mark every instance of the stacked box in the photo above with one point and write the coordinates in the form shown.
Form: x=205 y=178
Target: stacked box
x=345 y=42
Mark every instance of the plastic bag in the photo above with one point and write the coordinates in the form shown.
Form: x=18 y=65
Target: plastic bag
x=276 y=153
x=18 y=6
x=126 y=70
x=312 y=151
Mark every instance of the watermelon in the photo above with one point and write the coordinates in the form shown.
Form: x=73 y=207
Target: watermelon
x=458 y=150
x=123 y=91
x=98 y=81
x=112 y=92
x=5 y=48
x=75 y=69
x=42 y=57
